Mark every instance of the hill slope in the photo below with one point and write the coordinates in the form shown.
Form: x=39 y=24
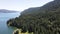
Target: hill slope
x=39 y=20
x=51 y=6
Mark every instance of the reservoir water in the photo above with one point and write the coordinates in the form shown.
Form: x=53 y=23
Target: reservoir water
x=4 y=29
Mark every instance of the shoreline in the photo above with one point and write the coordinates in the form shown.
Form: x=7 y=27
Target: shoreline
x=18 y=31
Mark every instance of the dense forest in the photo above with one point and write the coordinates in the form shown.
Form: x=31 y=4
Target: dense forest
x=39 y=20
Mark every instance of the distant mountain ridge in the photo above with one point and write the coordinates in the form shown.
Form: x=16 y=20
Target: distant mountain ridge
x=51 y=6
x=7 y=11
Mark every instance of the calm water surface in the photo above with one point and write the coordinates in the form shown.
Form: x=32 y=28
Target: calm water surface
x=4 y=29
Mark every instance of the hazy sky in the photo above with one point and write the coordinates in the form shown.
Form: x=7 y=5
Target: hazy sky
x=20 y=5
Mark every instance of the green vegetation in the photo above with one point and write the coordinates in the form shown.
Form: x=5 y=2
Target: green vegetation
x=40 y=20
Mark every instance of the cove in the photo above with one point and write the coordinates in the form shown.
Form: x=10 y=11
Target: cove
x=4 y=29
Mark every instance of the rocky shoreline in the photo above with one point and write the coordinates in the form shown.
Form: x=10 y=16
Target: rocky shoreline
x=18 y=31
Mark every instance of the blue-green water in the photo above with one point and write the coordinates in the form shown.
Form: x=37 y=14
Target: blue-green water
x=4 y=29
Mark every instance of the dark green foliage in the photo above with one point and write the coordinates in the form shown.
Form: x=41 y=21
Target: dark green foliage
x=43 y=20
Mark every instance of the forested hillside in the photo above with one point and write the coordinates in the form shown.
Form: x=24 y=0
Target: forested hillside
x=39 y=20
